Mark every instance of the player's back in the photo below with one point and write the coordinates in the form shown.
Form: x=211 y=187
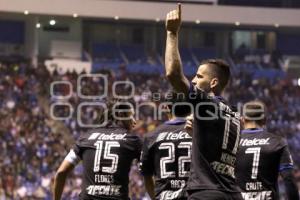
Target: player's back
x=260 y=156
x=167 y=156
x=107 y=155
x=216 y=134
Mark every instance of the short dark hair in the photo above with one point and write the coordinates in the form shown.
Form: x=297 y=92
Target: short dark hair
x=113 y=105
x=255 y=111
x=221 y=69
x=182 y=108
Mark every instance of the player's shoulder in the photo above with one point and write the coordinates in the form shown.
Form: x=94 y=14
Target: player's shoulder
x=280 y=138
x=133 y=137
x=262 y=136
x=150 y=137
x=166 y=133
x=132 y=142
x=227 y=108
x=165 y=128
x=275 y=136
x=110 y=133
x=124 y=137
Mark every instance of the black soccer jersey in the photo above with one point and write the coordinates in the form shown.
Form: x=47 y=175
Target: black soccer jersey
x=261 y=156
x=216 y=135
x=107 y=155
x=167 y=156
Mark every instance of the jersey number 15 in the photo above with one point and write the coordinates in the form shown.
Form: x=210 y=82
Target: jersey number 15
x=106 y=155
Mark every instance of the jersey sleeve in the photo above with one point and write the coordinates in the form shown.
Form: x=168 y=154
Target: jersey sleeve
x=147 y=161
x=286 y=161
x=75 y=154
x=72 y=157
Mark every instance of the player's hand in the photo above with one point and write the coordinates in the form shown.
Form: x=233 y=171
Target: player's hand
x=173 y=20
x=189 y=124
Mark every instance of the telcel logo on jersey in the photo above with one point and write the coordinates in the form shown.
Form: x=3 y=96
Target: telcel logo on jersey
x=103 y=136
x=254 y=142
x=173 y=136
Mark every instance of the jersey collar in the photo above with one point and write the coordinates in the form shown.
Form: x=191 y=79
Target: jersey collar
x=175 y=121
x=220 y=98
x=252 y=130
x=192 y=86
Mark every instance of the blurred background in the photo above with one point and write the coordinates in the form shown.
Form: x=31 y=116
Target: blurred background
x=58 y=40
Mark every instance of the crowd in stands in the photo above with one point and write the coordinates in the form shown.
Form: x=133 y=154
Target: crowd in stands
x=259 y=58
x=31 y=147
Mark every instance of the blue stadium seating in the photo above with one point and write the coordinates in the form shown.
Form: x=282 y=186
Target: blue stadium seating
x=105 y=51
x=134 y=52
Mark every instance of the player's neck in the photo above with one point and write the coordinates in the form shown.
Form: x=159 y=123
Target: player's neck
x=211 y=93
x=172 y=117
x=252 y=125
x=118 y=124
x=215 y=94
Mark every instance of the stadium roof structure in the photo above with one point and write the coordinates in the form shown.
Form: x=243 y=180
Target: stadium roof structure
x=149 y=10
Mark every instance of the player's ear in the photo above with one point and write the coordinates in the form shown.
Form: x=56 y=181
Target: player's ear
x=214 y=82
x=242 y=122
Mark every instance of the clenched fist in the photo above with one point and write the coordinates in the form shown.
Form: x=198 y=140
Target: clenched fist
x=173 y=20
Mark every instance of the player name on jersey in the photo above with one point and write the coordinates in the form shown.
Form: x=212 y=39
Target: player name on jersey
x=107 y=190
x=256 y=192
x=176 y=184
x=104 y=178
x=173 y=136
x=254 y=142
x=103 y=136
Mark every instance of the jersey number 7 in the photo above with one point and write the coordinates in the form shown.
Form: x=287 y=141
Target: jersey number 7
x=256 y=152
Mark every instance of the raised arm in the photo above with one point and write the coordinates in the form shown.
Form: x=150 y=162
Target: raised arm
x=173 y=64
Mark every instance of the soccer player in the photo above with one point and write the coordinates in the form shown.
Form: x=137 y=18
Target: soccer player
x=261 y=157
x=106 y=155
x=166 y=157
x=216 y=127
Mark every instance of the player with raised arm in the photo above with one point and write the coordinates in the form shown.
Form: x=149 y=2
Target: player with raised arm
x=262 y=156
x=216 y=129
x=166 y=157
x=106 y=154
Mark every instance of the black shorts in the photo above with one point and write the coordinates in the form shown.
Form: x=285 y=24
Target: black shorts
x=214 y=195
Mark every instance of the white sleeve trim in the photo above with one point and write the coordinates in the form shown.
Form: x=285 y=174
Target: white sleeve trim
x=72 y=157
